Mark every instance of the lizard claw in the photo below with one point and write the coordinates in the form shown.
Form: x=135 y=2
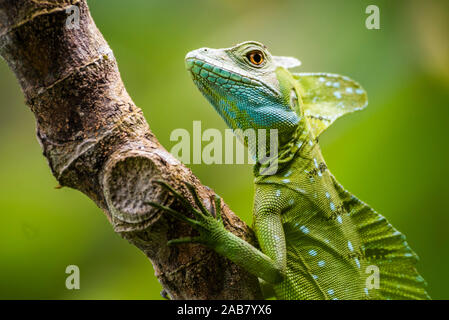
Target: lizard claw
x=205 y=222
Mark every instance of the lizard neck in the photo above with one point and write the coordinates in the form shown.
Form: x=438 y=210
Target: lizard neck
x=301 y=168
x=301 y=145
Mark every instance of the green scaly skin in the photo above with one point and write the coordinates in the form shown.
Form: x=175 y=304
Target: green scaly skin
x=316 y=239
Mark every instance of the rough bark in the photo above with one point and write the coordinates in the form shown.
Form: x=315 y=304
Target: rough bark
x=97 y=141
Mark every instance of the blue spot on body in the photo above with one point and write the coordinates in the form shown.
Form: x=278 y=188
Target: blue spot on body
x=350 y=246
x=278 y=193
x=328 y=195
x=321 y=263
x=366 y=291
x=339 y=219
x=357 y=262
x=314 y=276
x=286 y=180
x=359 y=91
x=301 y=190
x=313 y=253
x=304 y=229
x=332 y=205
x=330 y=291
x=337 y=94
x=419 y=279
x=349 y=90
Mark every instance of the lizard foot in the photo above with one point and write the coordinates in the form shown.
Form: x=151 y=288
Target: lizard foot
x=207 y=224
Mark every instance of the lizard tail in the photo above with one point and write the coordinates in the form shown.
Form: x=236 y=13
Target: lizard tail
x=385 y=247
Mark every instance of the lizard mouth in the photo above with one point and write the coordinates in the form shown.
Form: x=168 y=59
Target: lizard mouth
x=225 y=79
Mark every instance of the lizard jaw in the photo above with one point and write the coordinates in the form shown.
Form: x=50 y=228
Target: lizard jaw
x=215 y=66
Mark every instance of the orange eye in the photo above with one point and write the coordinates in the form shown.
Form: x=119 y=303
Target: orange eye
x=255 y=57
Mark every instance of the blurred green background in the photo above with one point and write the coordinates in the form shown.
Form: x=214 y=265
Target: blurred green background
x=394 y=155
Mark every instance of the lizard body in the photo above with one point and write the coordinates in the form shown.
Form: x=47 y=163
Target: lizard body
x=316 y=239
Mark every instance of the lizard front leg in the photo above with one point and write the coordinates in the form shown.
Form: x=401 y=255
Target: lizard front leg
x=271 y=238
x=213 y=234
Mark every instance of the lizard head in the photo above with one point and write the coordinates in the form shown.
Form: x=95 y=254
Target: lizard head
x=248 y=87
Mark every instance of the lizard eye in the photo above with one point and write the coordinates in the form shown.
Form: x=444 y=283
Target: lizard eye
x=256 y=57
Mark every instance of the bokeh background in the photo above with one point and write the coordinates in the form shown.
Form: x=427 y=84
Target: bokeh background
x=394 y=155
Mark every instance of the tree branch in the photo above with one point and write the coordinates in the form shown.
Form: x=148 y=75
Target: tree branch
x=97 y=141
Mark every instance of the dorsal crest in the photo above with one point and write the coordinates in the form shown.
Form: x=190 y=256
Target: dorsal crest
x=326 y=97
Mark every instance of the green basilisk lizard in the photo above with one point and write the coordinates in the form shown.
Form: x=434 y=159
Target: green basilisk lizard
x=317 y=241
